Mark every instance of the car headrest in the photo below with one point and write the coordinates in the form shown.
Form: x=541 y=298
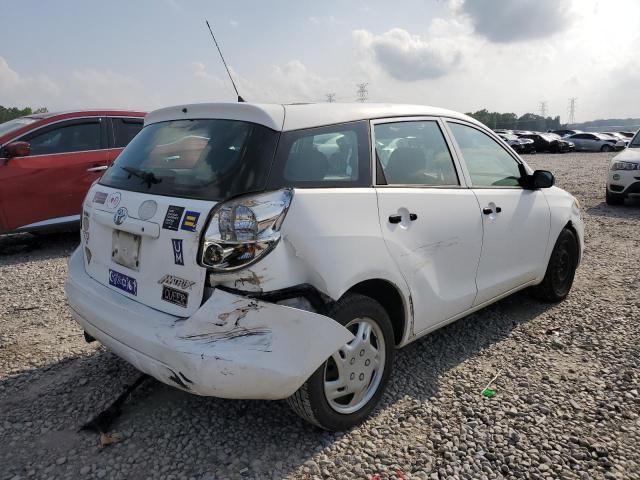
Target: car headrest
x=310 y=165
x=404 y=165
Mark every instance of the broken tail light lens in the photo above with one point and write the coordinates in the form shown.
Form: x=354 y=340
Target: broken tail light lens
x=243 y=230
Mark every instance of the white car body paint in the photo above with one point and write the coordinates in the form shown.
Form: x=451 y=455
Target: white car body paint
x=231 y=345
x=624 y=178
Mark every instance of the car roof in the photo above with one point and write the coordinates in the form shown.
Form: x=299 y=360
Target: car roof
x=285 y=117
x=87 y=112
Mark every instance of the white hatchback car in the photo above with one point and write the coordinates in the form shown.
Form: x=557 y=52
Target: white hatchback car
x=266 y=252
x=624 y=174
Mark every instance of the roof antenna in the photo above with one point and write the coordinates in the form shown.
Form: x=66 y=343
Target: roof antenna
x=240 y=99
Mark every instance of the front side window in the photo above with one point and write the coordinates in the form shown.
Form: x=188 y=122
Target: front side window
x=488 y=163
x=414 y=153
x=207 y=159
x=635 y=142
x=331 y=156
x=67 y=138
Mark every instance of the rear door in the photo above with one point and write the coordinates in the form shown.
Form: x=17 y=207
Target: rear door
x=121 y=131
x=516 y=222
x=47 y=187
x=143 y=221
x=145 y=247
x=430 y=220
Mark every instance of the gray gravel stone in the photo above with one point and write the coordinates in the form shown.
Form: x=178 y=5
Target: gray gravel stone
x=567 y=403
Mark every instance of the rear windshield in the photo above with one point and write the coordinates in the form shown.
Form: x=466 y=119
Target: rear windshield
x=207 y=159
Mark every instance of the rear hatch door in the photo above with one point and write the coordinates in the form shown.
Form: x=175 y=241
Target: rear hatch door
x=145 y=247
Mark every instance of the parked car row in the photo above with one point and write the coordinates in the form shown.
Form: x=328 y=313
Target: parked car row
x=564 y=140
x=48 y=162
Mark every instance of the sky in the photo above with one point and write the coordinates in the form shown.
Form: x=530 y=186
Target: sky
x=506 y=56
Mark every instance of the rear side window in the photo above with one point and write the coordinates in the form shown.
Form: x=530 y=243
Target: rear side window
x=332 y=156
x=206 y=159
x=66 y=138
x=414 y=153
x=124 y=129
x=488 y=162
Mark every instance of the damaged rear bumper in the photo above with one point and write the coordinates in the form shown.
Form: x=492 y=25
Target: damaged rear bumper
x=232 y=347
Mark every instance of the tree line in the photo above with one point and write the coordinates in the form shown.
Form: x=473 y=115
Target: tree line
x=511 y=121
x=9 y=113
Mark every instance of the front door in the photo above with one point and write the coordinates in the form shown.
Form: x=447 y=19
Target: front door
x=48 y=186
x=429 y=219
x=516 y=222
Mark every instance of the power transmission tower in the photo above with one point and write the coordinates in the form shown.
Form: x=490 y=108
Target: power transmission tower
x=331 y=97
x=572 y=110
x=543 y=109
x=362 y=92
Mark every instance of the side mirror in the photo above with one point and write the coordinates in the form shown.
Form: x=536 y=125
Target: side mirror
x=17 y=149
x=542 y=179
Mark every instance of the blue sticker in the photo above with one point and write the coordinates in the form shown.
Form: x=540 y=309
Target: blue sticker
x=190 y=221
x=123 y=282
x=178 y=258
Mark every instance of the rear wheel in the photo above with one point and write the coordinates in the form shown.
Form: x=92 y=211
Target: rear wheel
x=605 y=148
x=561 y=269
x=344 y=390
x=614 y=199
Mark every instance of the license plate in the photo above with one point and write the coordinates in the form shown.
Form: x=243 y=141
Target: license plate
x=125 y=249
x=123 y=282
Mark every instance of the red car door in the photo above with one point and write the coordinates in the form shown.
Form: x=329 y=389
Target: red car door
x=120 y=132
x=48 y=186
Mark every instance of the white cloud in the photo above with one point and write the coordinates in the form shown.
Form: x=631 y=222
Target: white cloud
x=515 y=20
x=409 y=57
x=21 y=90
x=106 y=88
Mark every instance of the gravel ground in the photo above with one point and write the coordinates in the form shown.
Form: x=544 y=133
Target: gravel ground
x=567 y=403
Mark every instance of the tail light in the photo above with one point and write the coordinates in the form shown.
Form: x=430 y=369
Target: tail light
x=243 y=230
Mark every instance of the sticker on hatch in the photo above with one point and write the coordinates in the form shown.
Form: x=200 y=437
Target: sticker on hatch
x=123 y=282
x=172 y=218
x=174 y=296
x=178 y=258
x=100 y=197
x=113 y=199
x=190 y=221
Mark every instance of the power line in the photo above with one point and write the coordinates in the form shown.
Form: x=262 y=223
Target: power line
x=331 y=97
x=543 y=109
x=572 y=109
x=362 y=92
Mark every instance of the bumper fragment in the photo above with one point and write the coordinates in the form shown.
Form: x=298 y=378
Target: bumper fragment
x=232 y=347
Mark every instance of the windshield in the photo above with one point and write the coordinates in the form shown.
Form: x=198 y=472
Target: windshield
x=635 y=143
x=15 y=124
x=201 y=159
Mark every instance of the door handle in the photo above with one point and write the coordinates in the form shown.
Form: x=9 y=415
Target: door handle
x=413 y=216
x=100 y=168
x=395 y=218
x=489 y=210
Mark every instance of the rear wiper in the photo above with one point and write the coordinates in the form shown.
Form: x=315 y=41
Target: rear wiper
x=148 y=177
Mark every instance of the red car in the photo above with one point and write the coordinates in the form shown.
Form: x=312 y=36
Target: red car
x=48 y=162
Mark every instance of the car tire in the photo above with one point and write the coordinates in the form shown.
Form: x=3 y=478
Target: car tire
x=614 y=199
x=311 y=401
x=561 y=269
x=605 y=148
